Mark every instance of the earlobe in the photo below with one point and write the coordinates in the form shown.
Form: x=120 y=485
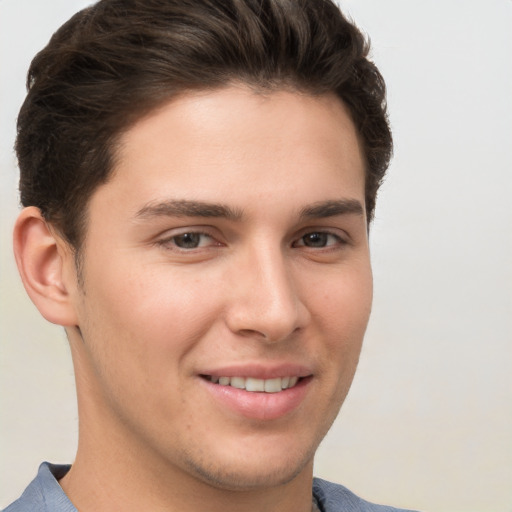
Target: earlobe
x=46 y=267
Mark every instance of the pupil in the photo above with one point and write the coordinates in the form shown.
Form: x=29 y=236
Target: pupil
x=315 y=239
x=188 y=240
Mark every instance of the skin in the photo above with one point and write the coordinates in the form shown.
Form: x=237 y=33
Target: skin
x=279 y=281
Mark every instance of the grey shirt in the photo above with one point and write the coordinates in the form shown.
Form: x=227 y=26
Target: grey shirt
x=44 y=494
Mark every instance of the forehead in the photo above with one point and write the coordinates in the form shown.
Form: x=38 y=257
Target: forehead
x=238 y=145
x=238 y=114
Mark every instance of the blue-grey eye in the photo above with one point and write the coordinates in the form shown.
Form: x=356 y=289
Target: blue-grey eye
x=188 y=240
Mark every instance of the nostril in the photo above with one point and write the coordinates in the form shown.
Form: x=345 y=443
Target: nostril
x=252 y=333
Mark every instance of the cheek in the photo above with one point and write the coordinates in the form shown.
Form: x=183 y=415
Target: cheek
x=346 y=301
x=140 y=329
x=343 y=311
x=147 y=317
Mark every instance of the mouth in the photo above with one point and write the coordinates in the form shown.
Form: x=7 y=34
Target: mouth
x=261 y=394
x=254 y=385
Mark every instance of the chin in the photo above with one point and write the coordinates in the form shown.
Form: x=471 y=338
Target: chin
x=245 y=475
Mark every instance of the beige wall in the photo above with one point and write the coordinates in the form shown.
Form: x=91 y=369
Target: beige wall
x=428 y=423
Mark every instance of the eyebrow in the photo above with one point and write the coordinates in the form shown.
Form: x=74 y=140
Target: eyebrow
x=187 y=208
x=332 y=208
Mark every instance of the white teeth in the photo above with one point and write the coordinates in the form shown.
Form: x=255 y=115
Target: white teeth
x=257 y=385
x=238 y=382
x=273 y=385
x=254 y=384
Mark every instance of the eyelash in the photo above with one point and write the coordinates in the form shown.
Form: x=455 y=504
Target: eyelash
x=324 y=236
x=171 y=240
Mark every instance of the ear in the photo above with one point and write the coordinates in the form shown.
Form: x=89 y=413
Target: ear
x=47 y=268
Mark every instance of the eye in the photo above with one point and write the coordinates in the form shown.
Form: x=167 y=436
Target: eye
x=319 y=240
x=188 y=241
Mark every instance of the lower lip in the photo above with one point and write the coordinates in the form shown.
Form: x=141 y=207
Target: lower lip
x=259 y=405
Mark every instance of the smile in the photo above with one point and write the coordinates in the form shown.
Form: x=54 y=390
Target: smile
x=256 y=385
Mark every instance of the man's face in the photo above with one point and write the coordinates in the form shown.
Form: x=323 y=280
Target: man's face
x=228 y=250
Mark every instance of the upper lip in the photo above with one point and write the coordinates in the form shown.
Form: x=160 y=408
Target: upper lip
x=259 y=371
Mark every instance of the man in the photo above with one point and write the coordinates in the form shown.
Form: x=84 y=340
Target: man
x=198 y=180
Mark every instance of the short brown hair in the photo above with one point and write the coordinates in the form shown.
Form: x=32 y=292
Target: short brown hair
x=115 y=61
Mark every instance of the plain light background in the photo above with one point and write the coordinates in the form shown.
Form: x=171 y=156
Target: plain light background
x=428 y=423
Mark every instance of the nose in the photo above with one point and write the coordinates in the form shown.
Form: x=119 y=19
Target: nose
x=266 y=301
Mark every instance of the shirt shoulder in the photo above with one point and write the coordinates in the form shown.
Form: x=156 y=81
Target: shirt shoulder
x=44 y=494
x=333 y=497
